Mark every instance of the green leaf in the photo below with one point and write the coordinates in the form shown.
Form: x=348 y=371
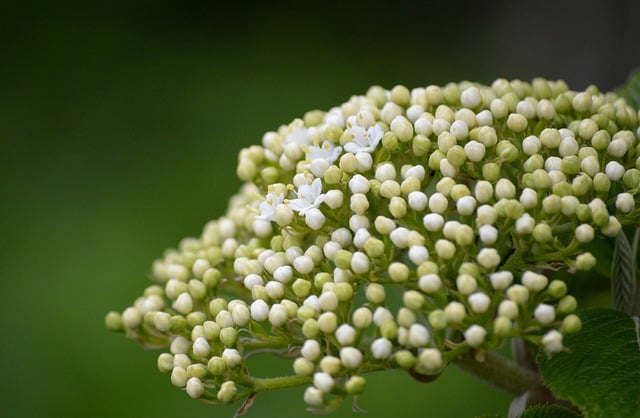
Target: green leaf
x=549 y=411
x=631 y=90
x=600 y=373
x=623 y=275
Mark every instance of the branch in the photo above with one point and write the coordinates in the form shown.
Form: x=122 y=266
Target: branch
x=499 y=372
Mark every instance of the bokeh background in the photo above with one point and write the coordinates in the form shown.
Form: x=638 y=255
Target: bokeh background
x=120 y=123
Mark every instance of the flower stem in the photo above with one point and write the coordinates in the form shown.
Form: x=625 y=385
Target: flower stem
x=499 y=372
x=270 y=383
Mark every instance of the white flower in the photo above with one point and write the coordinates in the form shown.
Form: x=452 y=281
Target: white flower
x=322 y=157
x=327 y=151
x=309 y=196
x=364 y=140
x=300 y=136
x=269 y=205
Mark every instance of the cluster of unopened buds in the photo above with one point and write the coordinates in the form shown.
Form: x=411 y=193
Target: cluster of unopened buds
x=402 y=229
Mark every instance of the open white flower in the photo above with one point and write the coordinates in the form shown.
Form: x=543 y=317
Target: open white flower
x=320 y=158
x=300 y=136
x=364 y=140
x=269 y=205
x=327 y=151
x=309 y=197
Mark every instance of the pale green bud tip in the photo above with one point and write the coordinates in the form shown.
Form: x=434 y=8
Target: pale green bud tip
x=113 y=322
x=355 y=385
x=227 y=392
x=405 y=359
x=571 y=324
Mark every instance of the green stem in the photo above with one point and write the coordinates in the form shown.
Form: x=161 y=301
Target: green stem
x=499 y=372
x=271 y=383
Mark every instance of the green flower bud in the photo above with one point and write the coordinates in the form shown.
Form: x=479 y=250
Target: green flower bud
x=550 y=138
x=420 y=146
x=301 y=288
x=582 y=102
x=305 y=312
x=491 y=172
x=456 y=156
x=631 y=178
x=165 y=362
x=557 y=289
x=328 y=322
x=541 y=179
x=601 y=139
x=348 y=163
x=227 y=392
x=179 y=377
x=333 y=175
x=435 y=158
x=321 y=278
x=571 y=324
x=398 y=272
x=561 y=189
x=197 y=370
x=310 y=328
x=217 y=305
x=355 y=385
x=533 y=163
x=542 y=233
x=113 y=322
x=437 y=319
x=517 y=122
x=375 y=293
x=374 y=247
x=404 y=359
x=518 y=293
x=601 y=183
x=362 y=317
x=228 y=336
x=303 y=367
x=567 y=305
x=401 y=96
x=406 y=317
x=581 y=185
x=413 y=300
x=587 y=129
x=389 y=329
x=196 y=318
x=507 y=151
x=398 y=207
x=570 y=165
x=562 y=104
x=552 y=204
x=502 y=327
x=344 y=291
x=217 y=366
x=212 y=278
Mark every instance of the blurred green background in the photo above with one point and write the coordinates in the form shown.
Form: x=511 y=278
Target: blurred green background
x=119 y=129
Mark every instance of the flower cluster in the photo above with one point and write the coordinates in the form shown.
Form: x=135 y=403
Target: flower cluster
x=401 y=229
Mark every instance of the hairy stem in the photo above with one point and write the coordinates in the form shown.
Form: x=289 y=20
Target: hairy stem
x=499 y=372
x=270 y=383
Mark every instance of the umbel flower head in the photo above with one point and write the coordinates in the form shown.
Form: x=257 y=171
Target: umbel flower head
x=401 y=229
